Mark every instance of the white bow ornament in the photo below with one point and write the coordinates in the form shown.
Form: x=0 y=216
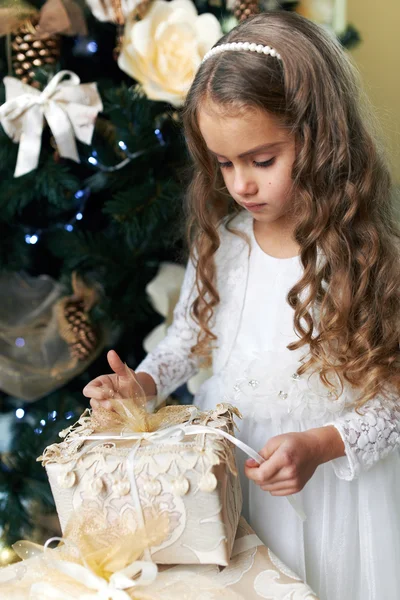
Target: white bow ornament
x=69 y=107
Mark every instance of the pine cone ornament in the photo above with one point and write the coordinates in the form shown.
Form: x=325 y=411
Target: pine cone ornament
x=118 y=11
x=75 y=326
x=30 y=52
x=82 y=338
x=243 y=9
x=137 y=14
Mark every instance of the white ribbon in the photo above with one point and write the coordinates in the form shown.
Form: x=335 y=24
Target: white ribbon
x=135 y=493
x=176 y=433
x=69 y=107
x=102 y=589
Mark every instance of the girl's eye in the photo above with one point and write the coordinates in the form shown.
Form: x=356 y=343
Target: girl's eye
x=264 y=163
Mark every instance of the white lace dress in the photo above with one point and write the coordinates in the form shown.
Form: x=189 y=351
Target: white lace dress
x=349 y=546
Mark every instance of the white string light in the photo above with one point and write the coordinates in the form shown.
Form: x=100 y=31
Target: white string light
x=82 y=195
x=129 y=156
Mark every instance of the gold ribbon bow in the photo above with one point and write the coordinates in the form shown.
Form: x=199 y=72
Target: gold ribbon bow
x=69 y=107
x=95 y=561
x=103 y=589
x=98 y=561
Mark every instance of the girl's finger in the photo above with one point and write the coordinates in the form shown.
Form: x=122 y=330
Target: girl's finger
x=101 y=381
x=287 y=492
x=283 y=475
x=96 y=404
x=98 y=393
x=270 y=469
x=96 y=383
x=259 y=474
x=276 y=487
x=253 y=474
x=279 y=489
x=116 y=363
x=251 y=463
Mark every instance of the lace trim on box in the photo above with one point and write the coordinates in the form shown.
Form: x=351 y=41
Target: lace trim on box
x=215 y=450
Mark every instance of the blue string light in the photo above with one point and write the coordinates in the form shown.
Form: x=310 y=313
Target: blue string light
x=92 y=47
x=82 y=195
x=159 y=136
x=20 y=413
x=129 y=156
x=31 y=239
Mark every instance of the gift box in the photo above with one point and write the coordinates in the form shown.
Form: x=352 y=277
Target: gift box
x=176 y=462
x=97 y=562
x=254 y=572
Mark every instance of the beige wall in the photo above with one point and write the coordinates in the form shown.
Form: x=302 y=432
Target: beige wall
x=378 y=59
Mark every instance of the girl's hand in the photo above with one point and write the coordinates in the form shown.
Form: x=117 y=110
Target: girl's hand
x=292 y=458
x=115 y=385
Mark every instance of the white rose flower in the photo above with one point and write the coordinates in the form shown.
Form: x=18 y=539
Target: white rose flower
x=164 y=50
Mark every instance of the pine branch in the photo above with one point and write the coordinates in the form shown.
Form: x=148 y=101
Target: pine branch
x=14 y=252
x=55 y=182
x=23 y=481
x=51 y=184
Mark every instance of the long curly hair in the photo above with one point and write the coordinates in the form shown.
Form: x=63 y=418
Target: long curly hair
x=347 y=306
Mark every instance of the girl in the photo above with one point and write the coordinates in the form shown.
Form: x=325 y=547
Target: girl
x=292 y=293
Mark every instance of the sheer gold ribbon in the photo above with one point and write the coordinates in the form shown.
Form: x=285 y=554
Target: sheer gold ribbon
x=56 y=16
x=97 y=562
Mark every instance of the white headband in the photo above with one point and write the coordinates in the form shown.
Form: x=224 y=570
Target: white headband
x=235 y=46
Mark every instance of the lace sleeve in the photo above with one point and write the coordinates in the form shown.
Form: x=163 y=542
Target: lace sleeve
x=171 y=363
x=368 y=437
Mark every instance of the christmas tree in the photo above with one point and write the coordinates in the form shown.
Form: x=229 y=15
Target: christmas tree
x=91 y=205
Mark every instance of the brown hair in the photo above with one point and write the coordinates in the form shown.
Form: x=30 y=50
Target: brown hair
x=341 y=195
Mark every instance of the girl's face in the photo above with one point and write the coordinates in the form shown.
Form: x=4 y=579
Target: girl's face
x=255 y=154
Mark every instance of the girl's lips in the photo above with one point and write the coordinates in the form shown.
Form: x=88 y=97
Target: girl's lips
x=254 y=207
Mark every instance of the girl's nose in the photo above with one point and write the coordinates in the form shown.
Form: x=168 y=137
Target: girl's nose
x=244 y=184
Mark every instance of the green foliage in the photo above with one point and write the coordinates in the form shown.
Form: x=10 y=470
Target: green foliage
x=24 y=489
x=14 y=252
x=49 y=188
x=131 y=222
